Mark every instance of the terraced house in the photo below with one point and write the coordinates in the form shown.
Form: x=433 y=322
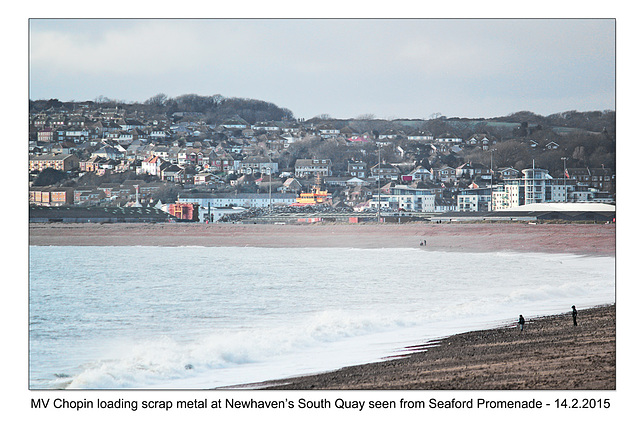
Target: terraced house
x=62 y=162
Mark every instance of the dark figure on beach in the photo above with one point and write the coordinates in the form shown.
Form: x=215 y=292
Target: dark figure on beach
x=521 y=323
x=574 y=313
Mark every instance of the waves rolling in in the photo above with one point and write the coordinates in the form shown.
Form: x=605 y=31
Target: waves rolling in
x=146 y=317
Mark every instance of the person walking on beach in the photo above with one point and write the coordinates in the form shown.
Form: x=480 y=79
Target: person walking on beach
x=574 y=314
x=521 y=323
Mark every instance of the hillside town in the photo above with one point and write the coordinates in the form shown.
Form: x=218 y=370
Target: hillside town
x=94 y=156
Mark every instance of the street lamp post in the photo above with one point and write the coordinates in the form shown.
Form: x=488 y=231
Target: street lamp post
x=564 y=176
x=491 y=186
x=270 y=180
x=267 y=170
x=379 y=183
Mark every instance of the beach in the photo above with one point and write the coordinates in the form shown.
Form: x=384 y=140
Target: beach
x=549 y=354
x=590 y=239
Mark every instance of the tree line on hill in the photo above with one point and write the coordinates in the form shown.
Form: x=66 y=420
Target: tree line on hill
x=585 y=139
x=214 y=109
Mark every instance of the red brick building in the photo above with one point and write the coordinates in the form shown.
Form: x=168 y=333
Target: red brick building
x=62 y=162
x=51 y=196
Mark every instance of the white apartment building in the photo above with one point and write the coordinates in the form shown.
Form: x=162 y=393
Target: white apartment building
x=506 y=196
x=405 y=198
x=560 y=192
x=474 y=200
x=537 y=186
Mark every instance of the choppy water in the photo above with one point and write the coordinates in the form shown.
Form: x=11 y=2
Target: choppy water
x=196 y=317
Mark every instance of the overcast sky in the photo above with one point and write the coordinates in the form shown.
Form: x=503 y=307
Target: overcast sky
x=391 y=68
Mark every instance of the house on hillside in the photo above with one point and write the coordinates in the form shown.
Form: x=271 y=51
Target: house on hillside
x=290 y=185
x=222 y=162
x=357 y=194
x=110 y=152
x=357 y=169
x=236 y=123
x=481 y=140
x=445 y=174
x=327 y=131
x=508 y=173
x=45 y=135
x=151 y=165
x=158 y=134
x=385 y=171
x=471 y=170
x=266 y=126
x=256 y=164
x=418 y=174
x=130 y=124
x=600 y=178
x=92 y=164
x=172 y=173
x=419 y=135
x=202 y=178
x=312 y=167
x=448 y=138
x=391 y=134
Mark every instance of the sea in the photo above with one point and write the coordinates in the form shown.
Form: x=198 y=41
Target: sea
x=147 y=317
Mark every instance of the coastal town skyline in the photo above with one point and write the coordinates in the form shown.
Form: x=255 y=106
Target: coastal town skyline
x=257 y=156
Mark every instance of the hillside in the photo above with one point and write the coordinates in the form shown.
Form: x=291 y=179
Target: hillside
x=213 y=109
x=587 y=139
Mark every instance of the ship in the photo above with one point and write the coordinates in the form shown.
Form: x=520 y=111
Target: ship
x=317 y=196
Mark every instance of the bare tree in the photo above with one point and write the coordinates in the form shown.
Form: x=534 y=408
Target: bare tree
x=157 y=100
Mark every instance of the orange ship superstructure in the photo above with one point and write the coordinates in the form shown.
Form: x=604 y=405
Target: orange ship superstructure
x=317 y=196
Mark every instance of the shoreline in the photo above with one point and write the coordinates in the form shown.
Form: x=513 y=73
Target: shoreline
x=587 y=239
x=547 y=356
x=550 y=354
